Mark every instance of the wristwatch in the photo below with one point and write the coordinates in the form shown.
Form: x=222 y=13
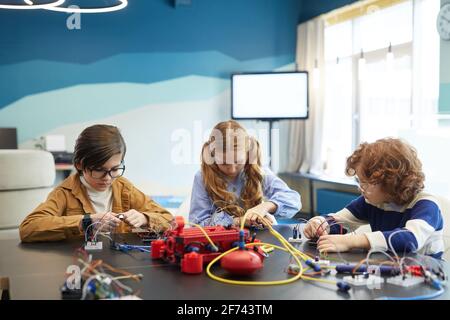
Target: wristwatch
x=86 y=222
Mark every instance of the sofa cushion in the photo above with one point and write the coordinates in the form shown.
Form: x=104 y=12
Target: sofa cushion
x=26 y=169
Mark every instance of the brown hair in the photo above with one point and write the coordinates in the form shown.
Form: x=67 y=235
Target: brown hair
x=96 y=145
x=393 y=164
x=227 y=135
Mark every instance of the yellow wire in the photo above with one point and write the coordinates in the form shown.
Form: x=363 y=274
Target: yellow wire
x=276 y=235
x=288 y=248
x=254 y=283
x=204 y=232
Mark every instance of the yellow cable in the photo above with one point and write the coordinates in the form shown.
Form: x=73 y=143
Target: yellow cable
x=288 y=247
x=253 y=283
x=276 y=235
x=204 y=232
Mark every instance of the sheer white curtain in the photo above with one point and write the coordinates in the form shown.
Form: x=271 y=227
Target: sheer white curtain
x=305 y=136
x=425 y=64
x=384 y=91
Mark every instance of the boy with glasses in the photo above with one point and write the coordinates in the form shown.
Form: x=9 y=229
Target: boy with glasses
x=402 y=217
x=96 y=193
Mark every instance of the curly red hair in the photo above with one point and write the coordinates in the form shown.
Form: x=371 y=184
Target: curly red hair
x=391 y=163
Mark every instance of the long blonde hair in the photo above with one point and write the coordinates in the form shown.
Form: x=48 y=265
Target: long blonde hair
x=223 y=138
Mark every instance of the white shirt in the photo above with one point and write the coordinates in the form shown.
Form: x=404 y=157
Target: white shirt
x=100 y=200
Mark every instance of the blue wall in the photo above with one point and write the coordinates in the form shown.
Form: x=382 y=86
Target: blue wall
x=147 y=42
x=313 y=8
x=151 y=69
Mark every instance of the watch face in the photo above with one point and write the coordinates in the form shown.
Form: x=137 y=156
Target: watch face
x=443 y=22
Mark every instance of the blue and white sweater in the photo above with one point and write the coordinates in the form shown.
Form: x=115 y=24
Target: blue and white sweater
x=421 y=219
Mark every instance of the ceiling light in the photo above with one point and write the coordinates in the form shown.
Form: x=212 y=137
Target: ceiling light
x=30 y=5
x=74 y=9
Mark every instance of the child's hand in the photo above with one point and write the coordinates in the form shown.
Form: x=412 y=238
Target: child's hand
x=342 y=243
x=238 y=220
x=257 y=216
x=334 y=243
x=316 y=227
x=108 y=221
x=135 y=218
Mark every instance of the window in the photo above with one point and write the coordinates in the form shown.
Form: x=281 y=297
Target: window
x=370 y=94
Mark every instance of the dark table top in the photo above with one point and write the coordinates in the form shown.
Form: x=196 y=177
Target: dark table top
x=37 y=271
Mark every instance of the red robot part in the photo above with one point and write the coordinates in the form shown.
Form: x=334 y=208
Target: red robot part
x=192 y=263
x=242 y=262
x=190 y=248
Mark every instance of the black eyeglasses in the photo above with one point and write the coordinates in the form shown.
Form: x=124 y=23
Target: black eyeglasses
x=113 y=173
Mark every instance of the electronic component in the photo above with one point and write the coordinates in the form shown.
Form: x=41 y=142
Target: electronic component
x=364 y=280
x=296 y=235
x=179 y=242
x=94 y=282
x=415 y=270
x=405 y=280
x=440 y=274
x=90 y=235
x=93 y=245
x=316 y=267
x=384 y=270
x=266 y=248
x=343 y=286
x=148 y=237
x=322 y=263
x=128 y=247
x=293 y=268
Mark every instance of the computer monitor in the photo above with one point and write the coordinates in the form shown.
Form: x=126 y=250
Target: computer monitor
x=269 y=96
x=8 y=138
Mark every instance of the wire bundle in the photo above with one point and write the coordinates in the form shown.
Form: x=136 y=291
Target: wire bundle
x=99 y=283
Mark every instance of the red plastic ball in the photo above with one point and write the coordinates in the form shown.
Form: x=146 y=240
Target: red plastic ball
x=242 y=262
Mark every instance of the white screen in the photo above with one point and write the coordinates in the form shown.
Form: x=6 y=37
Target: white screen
x=271 y=95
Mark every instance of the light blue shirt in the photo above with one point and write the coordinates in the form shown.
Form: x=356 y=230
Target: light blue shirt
x=202 y=210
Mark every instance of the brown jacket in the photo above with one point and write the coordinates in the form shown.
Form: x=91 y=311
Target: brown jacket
x=59 y=217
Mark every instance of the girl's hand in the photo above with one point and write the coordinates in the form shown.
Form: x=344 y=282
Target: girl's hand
x=135 y=218
x=257 y=215
x=316 y=227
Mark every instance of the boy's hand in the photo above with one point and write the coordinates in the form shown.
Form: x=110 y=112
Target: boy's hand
x=334 y=243
x=108 y=221
x=316 y=227
x=342 y=243
x=135 y=218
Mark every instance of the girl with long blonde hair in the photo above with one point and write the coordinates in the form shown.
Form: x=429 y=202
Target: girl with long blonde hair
x=232 y=181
